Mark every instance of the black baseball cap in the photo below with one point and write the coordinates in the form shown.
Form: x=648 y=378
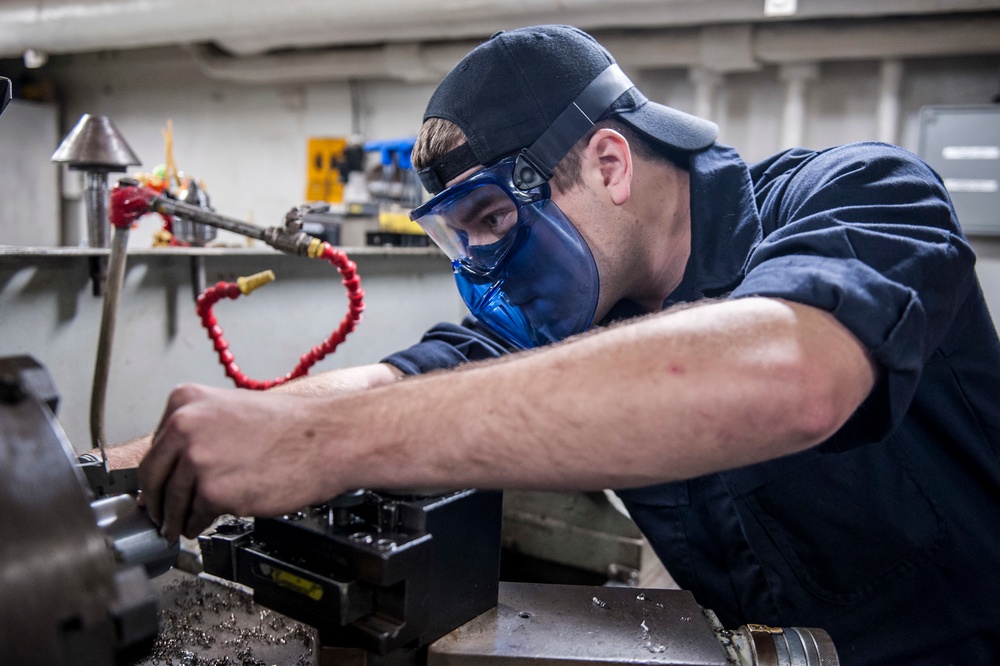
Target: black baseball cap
x=522 y=84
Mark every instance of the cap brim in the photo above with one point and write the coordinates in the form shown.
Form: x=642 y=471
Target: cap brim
x=671 y=127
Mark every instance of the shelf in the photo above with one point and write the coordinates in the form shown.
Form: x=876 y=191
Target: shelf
x=40 y=252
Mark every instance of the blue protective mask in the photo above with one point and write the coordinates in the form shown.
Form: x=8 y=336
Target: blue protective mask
x=521 y=266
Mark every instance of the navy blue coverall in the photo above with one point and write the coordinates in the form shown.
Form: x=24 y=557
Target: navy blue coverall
x=887 y=535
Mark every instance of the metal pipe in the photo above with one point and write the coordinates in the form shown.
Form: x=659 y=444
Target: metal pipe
x=205 y=216
x=66 y=26
x=109 y=316
x=288 y=239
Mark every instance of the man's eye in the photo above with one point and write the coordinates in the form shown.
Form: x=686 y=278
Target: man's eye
x=499 y=222
x=491 y=221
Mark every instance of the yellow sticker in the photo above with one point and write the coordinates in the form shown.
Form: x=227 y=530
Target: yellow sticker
x=285 y=579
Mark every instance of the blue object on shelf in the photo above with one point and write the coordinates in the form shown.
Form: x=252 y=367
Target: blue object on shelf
x=390 y=148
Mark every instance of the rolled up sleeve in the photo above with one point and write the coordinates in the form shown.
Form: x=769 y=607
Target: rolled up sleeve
x=867 y=232
x=448 y=345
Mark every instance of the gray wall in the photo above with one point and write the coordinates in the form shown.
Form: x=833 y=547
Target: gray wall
x=47 y=310
x=29 y=195
x=248 y=142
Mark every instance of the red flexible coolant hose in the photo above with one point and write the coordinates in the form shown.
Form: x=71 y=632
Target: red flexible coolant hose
x=355 y=295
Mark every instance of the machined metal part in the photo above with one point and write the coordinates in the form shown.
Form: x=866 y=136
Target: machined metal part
x=581 y=531
x=104 y=482
x=379 y=575
x=574 y=625
x=188 y=230
x=95 y=144
x=66 y=598
x=790 y=646
x=134 y=537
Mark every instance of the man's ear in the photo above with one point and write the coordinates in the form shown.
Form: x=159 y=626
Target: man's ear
x=611 y=164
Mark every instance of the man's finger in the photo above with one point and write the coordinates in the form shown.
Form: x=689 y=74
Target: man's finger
x=154 y=471
x=177 y=500
x=199 y=518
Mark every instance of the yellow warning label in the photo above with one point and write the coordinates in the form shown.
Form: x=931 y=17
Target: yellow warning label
x=285 y=579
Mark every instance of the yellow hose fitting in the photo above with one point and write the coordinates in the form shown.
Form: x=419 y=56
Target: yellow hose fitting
x=315 y=248
x=248 y=284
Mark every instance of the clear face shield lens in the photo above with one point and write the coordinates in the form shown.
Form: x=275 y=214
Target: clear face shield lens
x=476 y=226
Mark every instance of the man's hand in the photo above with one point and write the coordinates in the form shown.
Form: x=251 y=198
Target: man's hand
x=229 y=451
x=219 y=451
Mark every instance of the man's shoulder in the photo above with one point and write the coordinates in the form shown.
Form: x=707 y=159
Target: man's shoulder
x=849 y=156
x=863 y=169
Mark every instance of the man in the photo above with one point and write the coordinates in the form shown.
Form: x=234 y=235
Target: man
x=811 y=440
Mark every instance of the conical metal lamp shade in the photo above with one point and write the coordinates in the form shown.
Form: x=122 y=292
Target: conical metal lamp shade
x=95 y=144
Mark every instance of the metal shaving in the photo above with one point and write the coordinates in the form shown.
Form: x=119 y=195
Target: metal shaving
x=208 y=624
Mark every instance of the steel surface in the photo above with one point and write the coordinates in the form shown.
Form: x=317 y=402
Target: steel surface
x=571 y=625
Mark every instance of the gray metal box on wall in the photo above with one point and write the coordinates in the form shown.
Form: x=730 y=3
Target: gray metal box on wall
x=962 y=143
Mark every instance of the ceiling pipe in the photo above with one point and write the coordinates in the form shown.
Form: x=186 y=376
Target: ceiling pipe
x=246 y=28
x=878 y=39
x=635 y=50
x=410 y=62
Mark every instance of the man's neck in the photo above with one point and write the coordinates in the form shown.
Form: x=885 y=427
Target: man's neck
x=663 y=205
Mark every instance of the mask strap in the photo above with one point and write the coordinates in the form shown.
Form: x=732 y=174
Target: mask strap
x=452 y=163
x=535 y=163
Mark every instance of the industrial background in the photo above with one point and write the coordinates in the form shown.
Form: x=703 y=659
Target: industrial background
x=247 y=84
x=267 y=106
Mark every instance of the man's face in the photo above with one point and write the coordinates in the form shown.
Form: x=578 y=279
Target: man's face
x=517 y=255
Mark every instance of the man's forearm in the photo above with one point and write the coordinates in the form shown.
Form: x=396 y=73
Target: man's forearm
x=345 y=380
x=665 y=398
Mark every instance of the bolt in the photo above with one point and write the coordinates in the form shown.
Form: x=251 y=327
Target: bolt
x=233 y=526
x=385 y=545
